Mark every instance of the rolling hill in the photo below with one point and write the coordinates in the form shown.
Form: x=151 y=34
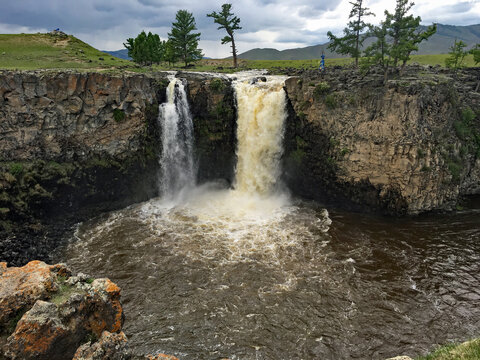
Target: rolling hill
x=52 y=51
x=439 y=43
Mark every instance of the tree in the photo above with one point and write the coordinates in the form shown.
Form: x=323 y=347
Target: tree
x=402 y=29
x=145 y=49
x=184 y=42
x=457 y=55
x=377 y=52
x=397 y=37
x=354 y=33
x=229 y=22
x=170 y=55
x=475 y=51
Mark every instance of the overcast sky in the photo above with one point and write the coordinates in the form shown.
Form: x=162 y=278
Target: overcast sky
x=280 y=24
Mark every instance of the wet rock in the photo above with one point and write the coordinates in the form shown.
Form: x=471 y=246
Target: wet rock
x=108 y=347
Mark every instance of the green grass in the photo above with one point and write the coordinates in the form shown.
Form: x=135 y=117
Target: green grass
x=45 y=51
x=469 y=350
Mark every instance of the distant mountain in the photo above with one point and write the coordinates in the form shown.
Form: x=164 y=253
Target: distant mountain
x=439 y=43
x=122 y=54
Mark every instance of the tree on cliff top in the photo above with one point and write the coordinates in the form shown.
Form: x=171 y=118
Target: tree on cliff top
x=184 y=42
x=397 y=37
x=354 y=33
x=403 y=30
x=457 y=55
x=230 y=23
x=145 y=49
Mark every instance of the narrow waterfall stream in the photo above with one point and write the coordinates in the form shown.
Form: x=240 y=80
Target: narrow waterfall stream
x=251 y=273
x=177 y=165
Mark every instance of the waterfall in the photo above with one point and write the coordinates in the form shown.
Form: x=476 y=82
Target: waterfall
x=260 y=126
x=177 y=165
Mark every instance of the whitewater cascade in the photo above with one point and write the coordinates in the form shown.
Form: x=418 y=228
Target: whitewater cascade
x=260 y=127
x=177 y=164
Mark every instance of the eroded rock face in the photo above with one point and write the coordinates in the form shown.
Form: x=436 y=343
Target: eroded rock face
x=405 y=147
x=21 y=287
x=62 y=313
x=69 y=116
x=71 y=146
x=108 y=347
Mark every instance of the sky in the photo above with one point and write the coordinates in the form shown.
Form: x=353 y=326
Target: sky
x=279 y=24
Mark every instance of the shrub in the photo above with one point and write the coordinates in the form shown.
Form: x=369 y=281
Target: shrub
x=331 y=101
x=118 y=115
x=321 y=89
x=217 y=85
x=16 y=169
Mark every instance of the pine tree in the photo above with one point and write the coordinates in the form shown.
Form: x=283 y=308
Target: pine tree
x=184 y=42
x=229 y=22
x=354 y=33
x=170 y=55
x=397 y=37
x=402 y=29
x=457 y=55
x=145 y=49
x=377 y=53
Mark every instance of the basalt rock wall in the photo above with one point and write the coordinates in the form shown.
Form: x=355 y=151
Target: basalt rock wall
x=73 y=145
x=408 y=146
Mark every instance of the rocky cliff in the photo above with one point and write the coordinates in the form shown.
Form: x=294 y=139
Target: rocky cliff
x=75 y=144
x=405 y=147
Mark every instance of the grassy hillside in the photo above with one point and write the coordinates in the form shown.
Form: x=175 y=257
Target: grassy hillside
x=45 y=51
x=439 y=43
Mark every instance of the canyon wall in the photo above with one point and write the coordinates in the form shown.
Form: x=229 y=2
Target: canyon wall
x=405 y=147
x=73 y=145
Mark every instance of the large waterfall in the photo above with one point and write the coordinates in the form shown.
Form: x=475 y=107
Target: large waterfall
x=177 y=165
x=208 y=265
x=261 y=115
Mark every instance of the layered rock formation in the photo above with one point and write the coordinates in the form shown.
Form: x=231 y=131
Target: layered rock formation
x=410 y=146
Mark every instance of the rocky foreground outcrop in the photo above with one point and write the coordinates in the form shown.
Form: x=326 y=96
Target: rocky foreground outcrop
x=46 y=313
x=408 y=146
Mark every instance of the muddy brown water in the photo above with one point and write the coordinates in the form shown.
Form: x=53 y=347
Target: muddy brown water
x=285 y=283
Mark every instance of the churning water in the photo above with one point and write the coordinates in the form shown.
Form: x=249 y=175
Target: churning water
x=249 y=273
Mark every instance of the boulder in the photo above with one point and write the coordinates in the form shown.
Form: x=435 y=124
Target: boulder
x=21 y=287
x=108 y=347
x=57 y=313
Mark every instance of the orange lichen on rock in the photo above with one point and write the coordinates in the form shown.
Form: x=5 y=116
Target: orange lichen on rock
x=161 y=357
x=54 y=330
x=109 y=346
x=37 y=334
x=20 y=287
